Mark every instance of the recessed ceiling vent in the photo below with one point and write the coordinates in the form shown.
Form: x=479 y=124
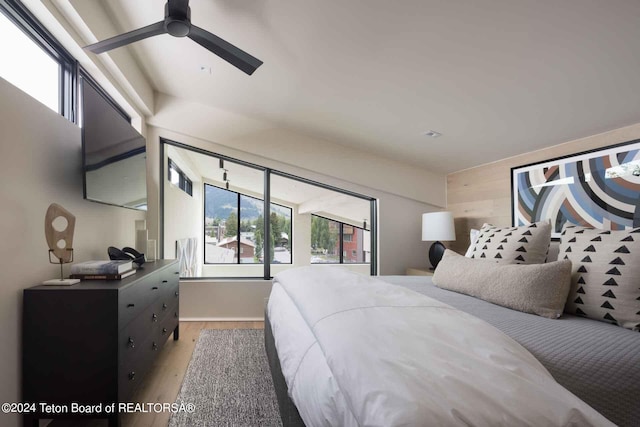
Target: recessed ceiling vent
x=432 y=134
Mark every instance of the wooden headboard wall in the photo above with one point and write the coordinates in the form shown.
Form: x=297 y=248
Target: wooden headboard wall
x=483 y=194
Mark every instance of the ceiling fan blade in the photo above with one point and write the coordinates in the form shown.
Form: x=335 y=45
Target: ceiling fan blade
x=126 y=38
x=225 y=50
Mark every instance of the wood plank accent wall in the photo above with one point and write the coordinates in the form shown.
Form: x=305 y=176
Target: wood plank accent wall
x=483 y=194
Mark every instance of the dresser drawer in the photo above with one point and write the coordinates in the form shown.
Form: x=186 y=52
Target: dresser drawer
x=171 y=275
x=144 y=326
x=165 y=329
x=133 y=370
x=136 y=363
x=171 y=291
x=134 y=300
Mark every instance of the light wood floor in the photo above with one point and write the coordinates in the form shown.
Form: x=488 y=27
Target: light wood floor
x=163 y=382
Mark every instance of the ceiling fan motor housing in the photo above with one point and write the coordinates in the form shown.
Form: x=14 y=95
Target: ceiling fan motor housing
x=177 y=22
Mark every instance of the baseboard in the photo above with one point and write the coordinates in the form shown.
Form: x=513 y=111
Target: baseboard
x=222 y=319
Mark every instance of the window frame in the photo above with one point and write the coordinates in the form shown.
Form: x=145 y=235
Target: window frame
x=17 y=13
x=268 y=172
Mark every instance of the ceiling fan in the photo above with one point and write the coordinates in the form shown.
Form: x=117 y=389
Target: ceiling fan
x=177 y=22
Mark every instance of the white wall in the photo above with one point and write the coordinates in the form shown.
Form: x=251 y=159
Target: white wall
x=184 y=213
x=40 y=160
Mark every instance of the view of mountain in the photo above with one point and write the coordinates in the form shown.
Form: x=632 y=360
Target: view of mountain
x=219 y=203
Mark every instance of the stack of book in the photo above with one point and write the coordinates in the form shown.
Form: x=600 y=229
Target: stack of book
x=102 y=270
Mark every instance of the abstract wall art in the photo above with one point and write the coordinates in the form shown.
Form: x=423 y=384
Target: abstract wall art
x=599 y=189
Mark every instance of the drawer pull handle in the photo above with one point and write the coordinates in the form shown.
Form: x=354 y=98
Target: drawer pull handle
x=175 y=314
x=164 y=331
x=154 y=346
x=132 y=376
x=130 y=305
x=176 y=272
x=177 y=293
x=154 y=317
x=155 y=288
x=165 y=281
x=131 y=343
x=164 y=306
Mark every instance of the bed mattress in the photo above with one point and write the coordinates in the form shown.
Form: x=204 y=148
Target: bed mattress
x=596 y=361
x=310 y=369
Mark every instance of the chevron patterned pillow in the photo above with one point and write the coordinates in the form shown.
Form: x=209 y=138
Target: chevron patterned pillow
x=528 y=244
x=605 y=280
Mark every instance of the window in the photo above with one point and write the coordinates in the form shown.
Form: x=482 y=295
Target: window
x=334 y=242
x=251 y=221
x=356 y=245
x=234 y=224
x=325 y=241
x=179 y=178
x=34 y=61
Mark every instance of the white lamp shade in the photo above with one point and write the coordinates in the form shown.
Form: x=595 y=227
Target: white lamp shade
x=438 y=226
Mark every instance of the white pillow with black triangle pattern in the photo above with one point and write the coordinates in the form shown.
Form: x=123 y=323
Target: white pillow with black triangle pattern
x=527 y=244
x=605 y=279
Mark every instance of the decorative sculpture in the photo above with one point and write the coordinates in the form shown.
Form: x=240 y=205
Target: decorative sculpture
x=60 y=242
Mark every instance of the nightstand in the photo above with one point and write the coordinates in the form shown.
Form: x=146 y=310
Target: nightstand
x=418 y=272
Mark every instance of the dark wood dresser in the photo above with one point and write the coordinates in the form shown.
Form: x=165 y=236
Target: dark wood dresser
x=92 y=343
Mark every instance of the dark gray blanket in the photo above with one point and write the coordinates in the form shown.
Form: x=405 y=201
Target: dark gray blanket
x=596 y=361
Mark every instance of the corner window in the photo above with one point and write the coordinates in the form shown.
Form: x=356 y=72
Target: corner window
x=249 y=221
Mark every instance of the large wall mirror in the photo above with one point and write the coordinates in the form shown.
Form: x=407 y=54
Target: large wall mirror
x=114 y=153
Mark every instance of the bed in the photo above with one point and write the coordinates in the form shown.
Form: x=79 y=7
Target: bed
x=590 y=367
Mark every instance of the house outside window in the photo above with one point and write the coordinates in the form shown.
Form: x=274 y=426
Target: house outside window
x=327 y=236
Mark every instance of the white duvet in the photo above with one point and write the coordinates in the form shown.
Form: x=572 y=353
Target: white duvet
x=356 y=351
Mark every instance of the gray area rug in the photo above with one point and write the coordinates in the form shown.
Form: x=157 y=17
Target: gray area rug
x=229 y=382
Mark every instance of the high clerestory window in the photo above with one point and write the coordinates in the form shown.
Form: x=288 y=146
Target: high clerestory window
x=179 y=178
x=34 y=61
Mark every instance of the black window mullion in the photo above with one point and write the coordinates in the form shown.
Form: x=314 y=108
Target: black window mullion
x=204 y=219
x=373 y=238
x=266 y=247
x=238 y=227
x=69 y=82
x=341 y=239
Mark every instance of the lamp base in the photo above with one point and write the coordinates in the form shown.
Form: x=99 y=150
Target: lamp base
x=436 y=251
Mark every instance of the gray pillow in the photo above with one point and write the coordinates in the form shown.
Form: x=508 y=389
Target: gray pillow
x=606 y=274
x=528 y=244
x=540 y=289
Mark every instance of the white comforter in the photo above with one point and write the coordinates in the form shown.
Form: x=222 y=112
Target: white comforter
x=356 y=351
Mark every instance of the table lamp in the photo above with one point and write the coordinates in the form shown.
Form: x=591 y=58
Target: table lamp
x=437 y=226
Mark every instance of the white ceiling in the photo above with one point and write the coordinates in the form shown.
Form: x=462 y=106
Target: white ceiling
x=496 y=77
